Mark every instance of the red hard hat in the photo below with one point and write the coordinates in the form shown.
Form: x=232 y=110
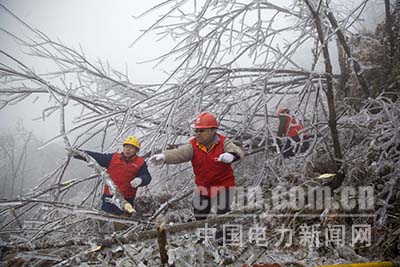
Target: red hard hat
x=205 y=120
x=282 y=110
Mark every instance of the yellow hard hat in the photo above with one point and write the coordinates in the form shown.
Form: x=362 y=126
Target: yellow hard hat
x=132 y=140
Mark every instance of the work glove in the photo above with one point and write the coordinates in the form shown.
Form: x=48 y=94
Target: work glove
x=136 y=182
x=157 y=159
x=226 y=157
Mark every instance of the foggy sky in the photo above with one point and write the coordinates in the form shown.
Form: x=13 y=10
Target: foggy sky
x=104 y=30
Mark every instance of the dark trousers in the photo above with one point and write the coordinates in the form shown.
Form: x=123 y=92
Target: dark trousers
x=202 y=204
x=289 y=150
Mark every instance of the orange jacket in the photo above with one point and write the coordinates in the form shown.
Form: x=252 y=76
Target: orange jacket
x=209 y=173
x=122 y=173
x=289 y=126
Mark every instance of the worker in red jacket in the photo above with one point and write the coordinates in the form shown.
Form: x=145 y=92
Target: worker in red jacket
x=127 y=170
x=211 y=155
x=289 y=129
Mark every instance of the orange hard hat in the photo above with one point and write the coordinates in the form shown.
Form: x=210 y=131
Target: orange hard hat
x=205 y=120
x=282 y=110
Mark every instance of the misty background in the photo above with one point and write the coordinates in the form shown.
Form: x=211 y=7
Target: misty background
x=103 y=31
x=72 y=79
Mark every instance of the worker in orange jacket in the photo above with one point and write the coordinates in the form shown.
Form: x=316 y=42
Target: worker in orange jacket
x=289 y=129
x=126 y=169
x=211 y=155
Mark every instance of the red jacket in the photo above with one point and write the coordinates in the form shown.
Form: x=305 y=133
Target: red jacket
x=291 y=127
x=122 y=173
x=210 y=173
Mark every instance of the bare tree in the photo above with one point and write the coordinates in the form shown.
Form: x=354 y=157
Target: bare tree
x=14 y=154
x=216 y=37
x=238 y=59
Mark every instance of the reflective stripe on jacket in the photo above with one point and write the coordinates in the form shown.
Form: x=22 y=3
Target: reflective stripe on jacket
x=208 y=171
x=123 y=172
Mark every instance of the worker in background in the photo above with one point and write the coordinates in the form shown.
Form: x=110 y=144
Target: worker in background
x=289 y=130
x=211 y=155
x=127 y=170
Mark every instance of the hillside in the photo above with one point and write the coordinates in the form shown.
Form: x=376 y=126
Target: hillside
x=338 y=202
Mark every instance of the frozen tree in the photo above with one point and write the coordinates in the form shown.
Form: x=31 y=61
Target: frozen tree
x=240 y=60
x=14 y=159
x=244 y=59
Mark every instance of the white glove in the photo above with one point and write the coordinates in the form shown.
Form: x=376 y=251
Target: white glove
x=226 y=157
x=136 y=182
x=157 y=159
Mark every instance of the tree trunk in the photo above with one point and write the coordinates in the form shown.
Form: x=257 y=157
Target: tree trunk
x=343 y=69
x=338 y=158
x=389 y=40
x=356 y=66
